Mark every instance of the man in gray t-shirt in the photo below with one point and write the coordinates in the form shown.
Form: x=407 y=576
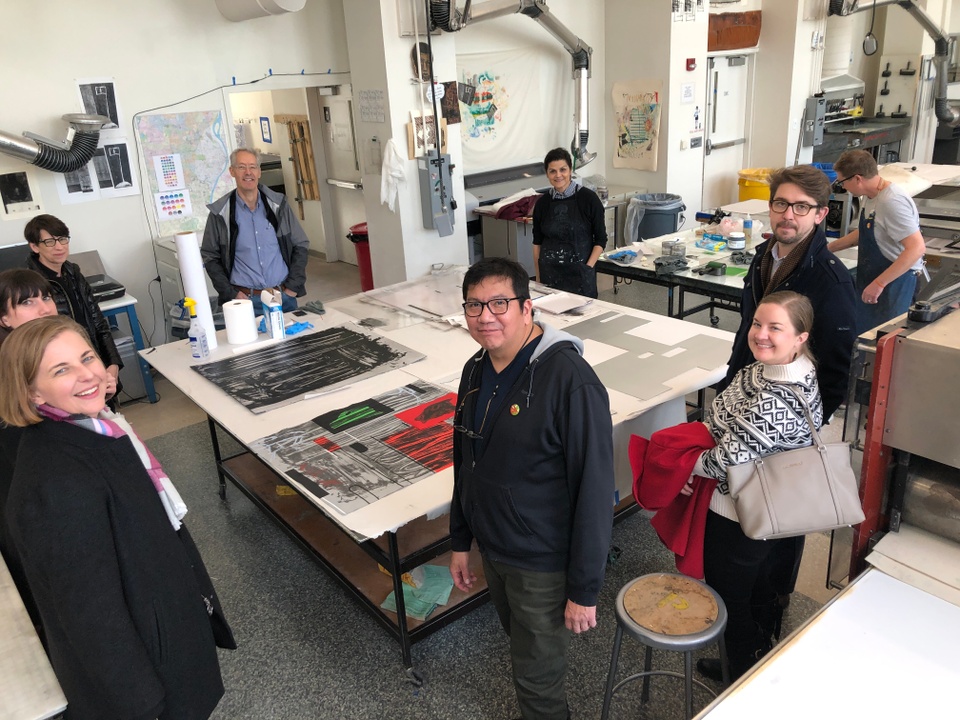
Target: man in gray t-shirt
x=888 y=237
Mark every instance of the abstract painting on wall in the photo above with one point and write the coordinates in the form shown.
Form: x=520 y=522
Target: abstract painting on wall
x=636 y=107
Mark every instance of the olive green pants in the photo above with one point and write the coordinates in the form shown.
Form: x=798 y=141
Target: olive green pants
x=531 y=606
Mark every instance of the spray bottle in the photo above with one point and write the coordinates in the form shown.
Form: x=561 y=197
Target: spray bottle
x=196 y=332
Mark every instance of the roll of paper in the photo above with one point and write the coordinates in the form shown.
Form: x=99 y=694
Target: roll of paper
x=240 y=322
x=194 y=281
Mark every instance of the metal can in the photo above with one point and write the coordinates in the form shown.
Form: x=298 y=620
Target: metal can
x=737 y=241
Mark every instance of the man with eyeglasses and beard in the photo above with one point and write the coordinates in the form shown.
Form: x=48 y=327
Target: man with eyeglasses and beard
x=796 y=258
x=49 y=241
x=533 y=480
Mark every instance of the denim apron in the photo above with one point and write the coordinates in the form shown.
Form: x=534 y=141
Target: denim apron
x=895 y=298
x=567 y=244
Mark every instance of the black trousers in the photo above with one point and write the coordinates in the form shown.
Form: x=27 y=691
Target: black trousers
x=739 y=569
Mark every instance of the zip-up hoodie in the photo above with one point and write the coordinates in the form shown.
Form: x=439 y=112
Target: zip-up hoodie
x=540 y=494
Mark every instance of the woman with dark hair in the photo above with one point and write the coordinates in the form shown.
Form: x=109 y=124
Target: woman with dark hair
x=24 y=296
x=569 y=231
x=49 y=240
x=129 y=613
x=758 y=414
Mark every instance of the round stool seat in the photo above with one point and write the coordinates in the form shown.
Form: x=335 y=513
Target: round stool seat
x=667 y=611
x=670 y=612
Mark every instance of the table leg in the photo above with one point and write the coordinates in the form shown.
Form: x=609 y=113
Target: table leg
x=405 y=643
x=217 y=457
x=138 y=341
x=670 y=300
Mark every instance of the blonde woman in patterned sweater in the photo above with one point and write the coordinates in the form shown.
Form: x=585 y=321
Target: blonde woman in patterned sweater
x=758 y=414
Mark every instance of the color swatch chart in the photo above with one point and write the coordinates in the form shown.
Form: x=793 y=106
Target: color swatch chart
x=169 y=171
x=173 y=205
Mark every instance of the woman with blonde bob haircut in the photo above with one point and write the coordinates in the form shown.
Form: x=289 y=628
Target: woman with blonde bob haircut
x=128 y=610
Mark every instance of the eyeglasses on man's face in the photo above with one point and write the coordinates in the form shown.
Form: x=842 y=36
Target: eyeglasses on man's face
x=498 y=306
x=245 y=168
x=51 y=241
x=799 y=208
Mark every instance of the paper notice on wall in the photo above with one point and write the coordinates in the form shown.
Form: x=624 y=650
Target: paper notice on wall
x=173 y=204
x=114 y=173
x=77 y=186
x=169 y=171
x=19 y=195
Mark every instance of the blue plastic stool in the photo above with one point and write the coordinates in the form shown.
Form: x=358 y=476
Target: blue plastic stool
x=668 y=612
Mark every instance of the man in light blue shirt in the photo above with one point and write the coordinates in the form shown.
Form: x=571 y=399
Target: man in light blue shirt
x=256 y=243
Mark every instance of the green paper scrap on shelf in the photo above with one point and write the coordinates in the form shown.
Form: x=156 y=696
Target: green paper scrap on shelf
x=736 y=271
x=420 y=602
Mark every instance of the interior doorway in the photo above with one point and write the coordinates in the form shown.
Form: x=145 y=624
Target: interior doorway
x=304 y=126
x=726 y=127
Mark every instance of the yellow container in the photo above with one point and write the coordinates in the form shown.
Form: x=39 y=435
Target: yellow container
x=754 y=183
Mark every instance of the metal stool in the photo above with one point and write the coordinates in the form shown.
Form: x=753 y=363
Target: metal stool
x=668 y=612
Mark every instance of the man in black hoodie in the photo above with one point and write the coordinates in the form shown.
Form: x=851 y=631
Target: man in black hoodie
x=533 y=480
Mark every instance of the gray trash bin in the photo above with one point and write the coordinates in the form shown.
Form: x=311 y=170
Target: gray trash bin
x=653 y=214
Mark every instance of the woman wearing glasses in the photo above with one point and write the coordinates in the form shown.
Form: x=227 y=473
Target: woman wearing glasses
x=49 y=240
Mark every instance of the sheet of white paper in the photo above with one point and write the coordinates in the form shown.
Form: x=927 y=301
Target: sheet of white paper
x=560 y=302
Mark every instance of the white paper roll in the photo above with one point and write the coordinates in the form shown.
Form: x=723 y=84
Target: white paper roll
x=240 y=322
x=194 y=281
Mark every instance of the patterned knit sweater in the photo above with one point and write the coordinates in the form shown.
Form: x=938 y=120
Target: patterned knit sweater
x=758 y=415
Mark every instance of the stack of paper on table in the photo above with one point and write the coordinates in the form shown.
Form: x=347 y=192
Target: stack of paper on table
x=560 y=302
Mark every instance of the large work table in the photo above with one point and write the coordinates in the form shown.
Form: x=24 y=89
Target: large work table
x=408 y=527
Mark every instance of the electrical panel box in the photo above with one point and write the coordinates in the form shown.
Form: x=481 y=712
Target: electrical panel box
x=813 y=122
x=436 y=193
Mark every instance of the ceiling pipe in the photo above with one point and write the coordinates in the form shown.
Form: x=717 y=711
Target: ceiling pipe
x=44 y=154
x=945 y=113
x=445 y=16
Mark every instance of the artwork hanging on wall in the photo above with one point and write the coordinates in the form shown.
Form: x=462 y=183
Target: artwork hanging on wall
x=353 y=456
x=503 y=120
x=416 y=144
x=636 y=107
x=281 y=374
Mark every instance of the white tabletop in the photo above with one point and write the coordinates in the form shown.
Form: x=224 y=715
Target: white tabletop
x=123 y=301
x=28 y=687
x=880 y=648
x=446 y=347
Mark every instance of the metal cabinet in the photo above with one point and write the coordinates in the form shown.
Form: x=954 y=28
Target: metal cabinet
x=509 y=239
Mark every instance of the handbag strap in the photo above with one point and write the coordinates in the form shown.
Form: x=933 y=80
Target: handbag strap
x=806 y=411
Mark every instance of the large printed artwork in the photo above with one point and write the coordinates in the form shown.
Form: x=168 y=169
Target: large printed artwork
x=636 y=107
x=506 y=91
x=280 y=374
x=358 y=454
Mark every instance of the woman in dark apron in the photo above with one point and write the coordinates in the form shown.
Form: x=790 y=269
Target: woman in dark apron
x=568 y=230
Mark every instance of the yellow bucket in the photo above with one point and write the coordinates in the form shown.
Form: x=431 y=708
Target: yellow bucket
x=754 y=183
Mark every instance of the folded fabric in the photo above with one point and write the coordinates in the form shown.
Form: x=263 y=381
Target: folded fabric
x=419 y=602
x=661 y=466
x=518 y=209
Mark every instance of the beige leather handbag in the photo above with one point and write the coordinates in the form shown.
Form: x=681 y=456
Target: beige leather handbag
x=796 y=492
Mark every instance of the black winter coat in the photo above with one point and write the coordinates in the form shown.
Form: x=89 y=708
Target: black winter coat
x=127 y=629
x=87 y=314
x=829 y=286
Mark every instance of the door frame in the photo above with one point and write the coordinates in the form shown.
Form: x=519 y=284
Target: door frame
x=315 y=87
x=748 y=111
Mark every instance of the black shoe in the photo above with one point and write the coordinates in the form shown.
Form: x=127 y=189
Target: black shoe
x=710 y=668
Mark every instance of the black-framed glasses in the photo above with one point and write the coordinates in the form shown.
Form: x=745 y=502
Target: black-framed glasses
x=498 y=306
x=475 y=435
x=841 y=182
x=799 y=208
x=51 y=241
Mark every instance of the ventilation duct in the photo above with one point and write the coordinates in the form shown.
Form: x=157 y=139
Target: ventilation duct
x=44 y=154
x=445 y=16
x=240 y=10
x=945 y=113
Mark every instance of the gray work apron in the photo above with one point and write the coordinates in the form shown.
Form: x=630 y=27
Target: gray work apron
x=567 y=244
x=895 y=298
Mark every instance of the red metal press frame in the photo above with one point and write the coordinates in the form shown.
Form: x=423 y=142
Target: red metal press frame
x=876 y=455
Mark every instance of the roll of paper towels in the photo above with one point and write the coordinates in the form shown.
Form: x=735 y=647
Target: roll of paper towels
x=240 y=322
x=195 y=281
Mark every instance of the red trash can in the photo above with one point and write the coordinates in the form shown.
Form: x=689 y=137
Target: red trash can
x=361 y=239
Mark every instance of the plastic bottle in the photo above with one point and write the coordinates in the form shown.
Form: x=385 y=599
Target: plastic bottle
x=196 y=332
x=748 y=230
